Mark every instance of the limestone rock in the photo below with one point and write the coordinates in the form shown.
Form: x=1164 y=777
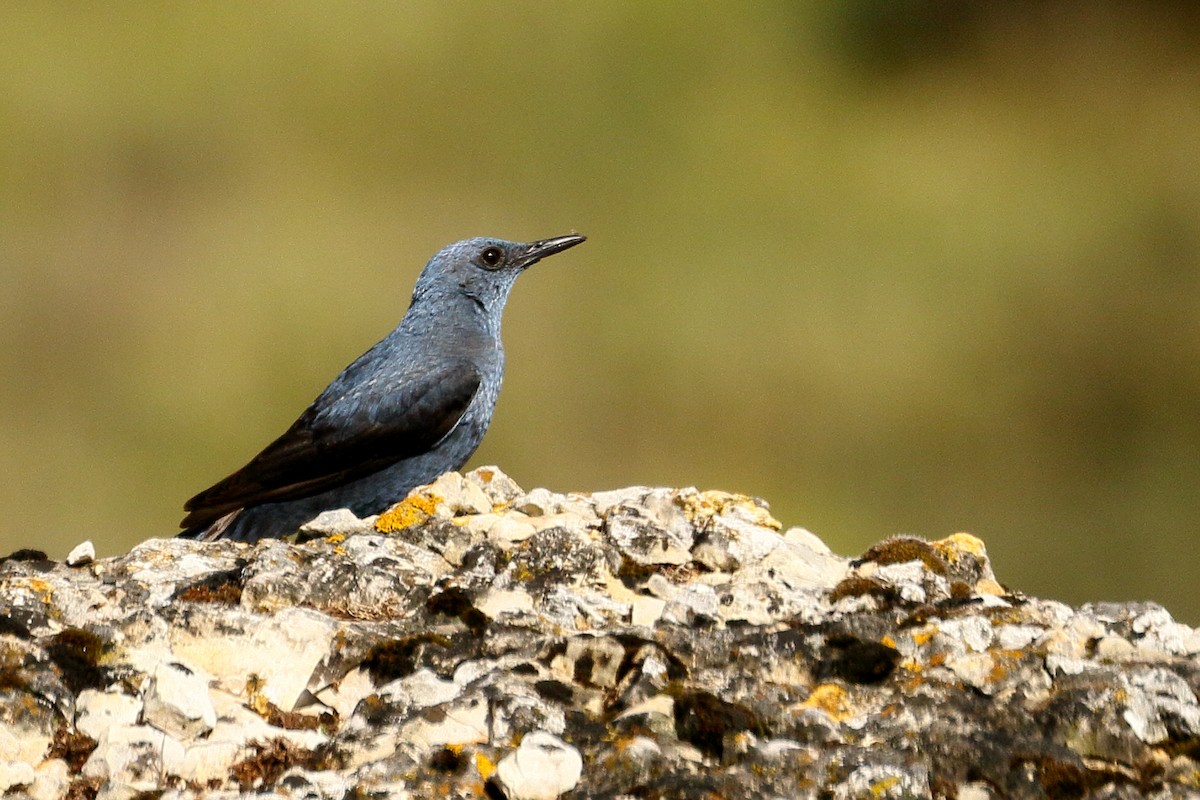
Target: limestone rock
x=177 y=702
x=542 y=768
x=82 y=554
x=480 y=640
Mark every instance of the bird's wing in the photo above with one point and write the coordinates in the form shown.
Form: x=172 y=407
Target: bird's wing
x=345 y=437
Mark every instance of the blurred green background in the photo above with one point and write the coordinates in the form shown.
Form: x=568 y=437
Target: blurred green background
x=897 y=267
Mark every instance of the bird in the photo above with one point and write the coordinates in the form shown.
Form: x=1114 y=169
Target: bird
x=414 y=406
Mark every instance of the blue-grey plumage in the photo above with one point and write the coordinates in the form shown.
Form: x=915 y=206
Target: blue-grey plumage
x=415 y=405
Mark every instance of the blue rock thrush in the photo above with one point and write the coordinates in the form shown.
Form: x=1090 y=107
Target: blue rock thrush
x=412 y=407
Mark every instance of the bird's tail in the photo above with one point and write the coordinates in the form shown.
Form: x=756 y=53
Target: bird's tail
x=223 y=528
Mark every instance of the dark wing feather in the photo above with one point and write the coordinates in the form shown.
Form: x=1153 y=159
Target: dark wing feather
x=343 y=438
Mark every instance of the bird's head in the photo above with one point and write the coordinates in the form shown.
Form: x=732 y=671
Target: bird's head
x=484 y=269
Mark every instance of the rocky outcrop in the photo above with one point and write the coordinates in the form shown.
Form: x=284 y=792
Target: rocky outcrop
x=478 y=640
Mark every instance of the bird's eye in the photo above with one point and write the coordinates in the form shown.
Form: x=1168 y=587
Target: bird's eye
x=491 y=257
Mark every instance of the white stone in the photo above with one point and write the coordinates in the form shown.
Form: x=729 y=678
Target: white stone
x=646 y=610
x=509 y=530
x=137 y=755
x=338 y=520
x=18 y=743
x=161 y=565
x=642 y=749
x=373 y=747
x=662 y=705
x=117 y=790
x=460 y=723
x=697 y=597
x=1157 y=697
x=459 y=496
x=51 y=780
x=537 y=503
x=603 y=502
x=422 y=689
x=802 y=562
x=479 y=524
x=1066 y=665
x=802 y=537
x=749 y=602
x=96 y=711
x=566 y=520
x=603 y=653
x=1072 y=642
x=1114 y=648
x=744 y=540
x=306 y=783
x=498 y=602
x=238 y=724
x=975 y=791
x=974 y=669
x=542 y=768
x=778 y=748
x=974 y=634
x=281 y=651
x=1018 y=637
x=177 y=702
x=82 y=553
x=907 y=578
x=654 y=532
x=498 y=486
x=206 y=759
x=545 y=509
x=344 y=696
x=15 y=774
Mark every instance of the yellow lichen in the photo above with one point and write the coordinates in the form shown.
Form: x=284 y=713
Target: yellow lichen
x=336 y=538
x=952 y=547
x=830 y=698
x=485 y=766
x=702 y=506
x=410 y=511
x=882 y=787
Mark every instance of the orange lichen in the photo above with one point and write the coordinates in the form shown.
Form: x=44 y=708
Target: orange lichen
x=1003 y=662
x=413 y=510
x=43 y=590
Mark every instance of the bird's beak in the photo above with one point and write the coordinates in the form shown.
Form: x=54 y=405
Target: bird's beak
x=536 y=251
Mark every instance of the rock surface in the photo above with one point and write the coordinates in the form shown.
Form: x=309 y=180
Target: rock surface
x=478 y=640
